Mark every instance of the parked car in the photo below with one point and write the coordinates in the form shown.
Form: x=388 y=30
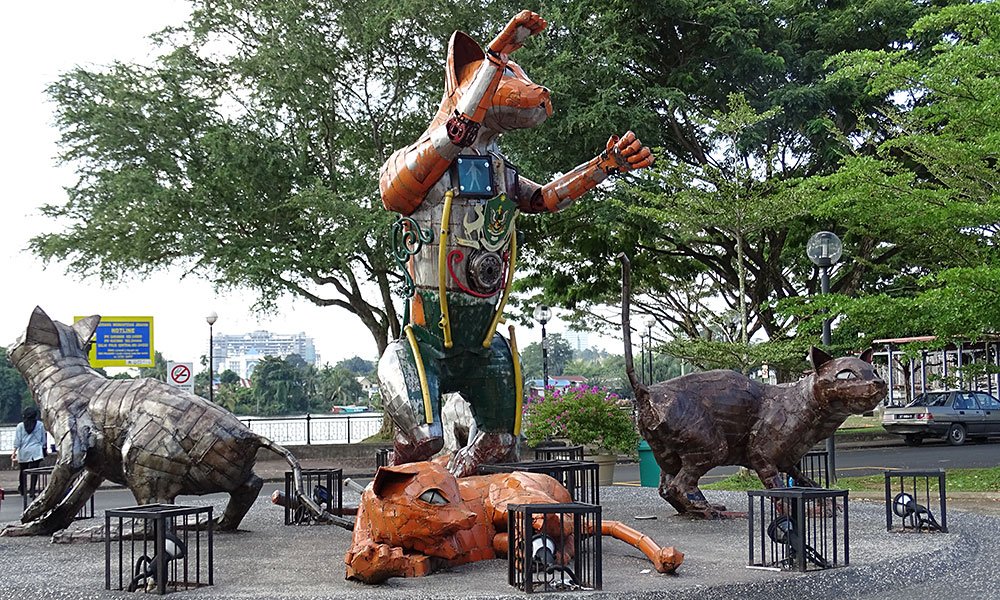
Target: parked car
x=954 y=415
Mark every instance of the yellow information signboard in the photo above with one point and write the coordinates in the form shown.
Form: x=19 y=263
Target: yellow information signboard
x=122 y=342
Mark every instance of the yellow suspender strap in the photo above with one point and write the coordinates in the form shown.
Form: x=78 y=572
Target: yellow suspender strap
x=445 y=322
x=428 y=413
x=518 y=384
x=506 y=290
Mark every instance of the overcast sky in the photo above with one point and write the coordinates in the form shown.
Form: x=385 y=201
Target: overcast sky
x=39 y=41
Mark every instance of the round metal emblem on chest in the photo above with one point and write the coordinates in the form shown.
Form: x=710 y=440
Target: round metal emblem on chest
x=485 y=272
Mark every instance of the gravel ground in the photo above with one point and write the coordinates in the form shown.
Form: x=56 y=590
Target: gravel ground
x=269 y=560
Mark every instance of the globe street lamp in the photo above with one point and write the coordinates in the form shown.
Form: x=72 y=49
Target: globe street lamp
x=543 y=314
x=649 y=335
x=824 y=249
x=210 y=319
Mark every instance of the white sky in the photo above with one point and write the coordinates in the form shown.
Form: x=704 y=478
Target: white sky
x=39 y=40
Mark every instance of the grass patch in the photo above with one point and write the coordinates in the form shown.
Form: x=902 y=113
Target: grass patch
x=956 y=480
x=736 y=482
x=864 y=429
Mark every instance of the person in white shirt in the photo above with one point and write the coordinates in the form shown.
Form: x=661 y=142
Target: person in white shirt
x=29 y=447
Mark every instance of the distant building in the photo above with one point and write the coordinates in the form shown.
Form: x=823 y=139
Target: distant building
x=240 y=353
x=576 y=339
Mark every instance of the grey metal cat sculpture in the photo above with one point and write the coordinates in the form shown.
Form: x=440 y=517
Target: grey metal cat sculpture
x=703 y=420
x=155 y=439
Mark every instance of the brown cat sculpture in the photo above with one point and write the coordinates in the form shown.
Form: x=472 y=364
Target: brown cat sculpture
x=703 y=420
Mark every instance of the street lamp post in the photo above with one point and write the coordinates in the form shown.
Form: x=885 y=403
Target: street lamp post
x=210 y=319
x=642 y=357
x=543 y=314
x=649 y=336
x=824 y=249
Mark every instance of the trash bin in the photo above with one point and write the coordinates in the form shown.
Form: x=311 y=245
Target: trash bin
x=649 y=471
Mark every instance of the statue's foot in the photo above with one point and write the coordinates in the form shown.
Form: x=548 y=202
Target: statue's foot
x=733 y=514
x=668 y=559
x=713 y=512
x=33 y=528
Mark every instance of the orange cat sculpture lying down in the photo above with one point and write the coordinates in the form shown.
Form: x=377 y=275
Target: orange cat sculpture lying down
x=416 y=518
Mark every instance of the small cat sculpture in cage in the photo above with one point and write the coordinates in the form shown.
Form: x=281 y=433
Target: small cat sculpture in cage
x=919 y=516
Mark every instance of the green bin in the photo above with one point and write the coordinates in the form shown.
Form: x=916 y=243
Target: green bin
x=649 y=471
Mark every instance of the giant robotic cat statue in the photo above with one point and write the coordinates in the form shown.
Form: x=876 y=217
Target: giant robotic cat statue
x=458 y=198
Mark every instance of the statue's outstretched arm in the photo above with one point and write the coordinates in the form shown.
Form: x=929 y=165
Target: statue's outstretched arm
x=622 y=154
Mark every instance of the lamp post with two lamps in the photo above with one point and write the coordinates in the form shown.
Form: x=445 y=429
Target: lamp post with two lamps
x=543 y=314
x=824 y=249
x=210 y=319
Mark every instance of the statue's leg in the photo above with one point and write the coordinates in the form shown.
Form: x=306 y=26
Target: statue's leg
x=240 y=501
x=800 y=478
x=767 y=472
x=681 y=470
x=417 y=436
x=62 y=515
x=60 y=480
x=488 y=383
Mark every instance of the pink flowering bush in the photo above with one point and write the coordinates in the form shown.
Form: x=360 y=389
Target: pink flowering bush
x=585 y=415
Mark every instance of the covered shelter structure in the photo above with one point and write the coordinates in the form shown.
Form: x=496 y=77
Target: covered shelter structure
x=973 y=365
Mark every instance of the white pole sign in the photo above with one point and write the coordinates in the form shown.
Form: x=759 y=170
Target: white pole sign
x=181 y=375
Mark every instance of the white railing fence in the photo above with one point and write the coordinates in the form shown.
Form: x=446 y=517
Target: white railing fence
x=292 y=431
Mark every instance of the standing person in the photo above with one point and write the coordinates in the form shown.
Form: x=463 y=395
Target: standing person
x=29 y=446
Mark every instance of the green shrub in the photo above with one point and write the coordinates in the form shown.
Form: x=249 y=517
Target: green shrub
x=585 y=415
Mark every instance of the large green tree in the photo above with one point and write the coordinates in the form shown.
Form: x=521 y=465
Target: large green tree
x=248 y=152
x=279 y=388
x=337 y=386
x=718 y=226
x=924 y=176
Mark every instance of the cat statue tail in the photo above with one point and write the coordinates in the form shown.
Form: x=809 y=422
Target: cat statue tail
x=626 y=327
x=301 y=496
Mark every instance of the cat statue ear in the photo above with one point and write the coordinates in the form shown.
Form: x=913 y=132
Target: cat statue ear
x=818 y=358
x=85 y=329
x=387 y=476
x=41 y=329
x=462 y=50
x=866 y=356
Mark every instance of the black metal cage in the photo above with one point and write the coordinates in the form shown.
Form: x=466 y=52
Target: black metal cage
x=559 y=453
x=814 y=466
x=324 y=486
x=798 y=529
x=911 y=496
x=564 y=554
x=38 y=479
x=578 y=477
x=159 y=548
